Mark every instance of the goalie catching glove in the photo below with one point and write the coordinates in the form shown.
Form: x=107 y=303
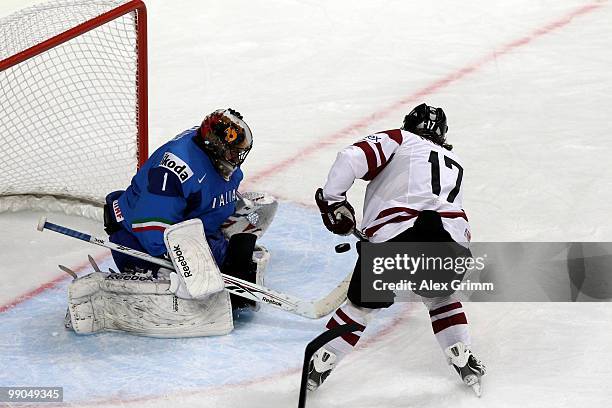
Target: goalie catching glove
x=338 y=217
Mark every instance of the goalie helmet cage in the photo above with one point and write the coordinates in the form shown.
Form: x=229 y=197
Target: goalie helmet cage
x=73 y=103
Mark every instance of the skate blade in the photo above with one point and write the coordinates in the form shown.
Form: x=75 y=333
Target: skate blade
x=68 y=271
x=477 y=388
x=473 y=382
x=93 y=263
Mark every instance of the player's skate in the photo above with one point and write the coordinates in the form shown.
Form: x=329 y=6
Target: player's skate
x=468 y=367
x=321 y=365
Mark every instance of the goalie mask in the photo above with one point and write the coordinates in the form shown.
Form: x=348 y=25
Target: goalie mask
x=227 y=139
x=429 y=123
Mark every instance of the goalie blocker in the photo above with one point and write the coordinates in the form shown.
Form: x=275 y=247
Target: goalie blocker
x=189 y=301
x=196 y=274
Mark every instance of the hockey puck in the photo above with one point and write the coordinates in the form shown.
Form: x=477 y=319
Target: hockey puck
x=340 y=248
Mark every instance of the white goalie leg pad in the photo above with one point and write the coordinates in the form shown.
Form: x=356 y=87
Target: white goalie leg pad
x=197 y=271
x=144 y=306
x=83 y=296
x=254 y=214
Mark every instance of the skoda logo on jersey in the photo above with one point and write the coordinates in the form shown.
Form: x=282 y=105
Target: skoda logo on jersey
x=178 y=166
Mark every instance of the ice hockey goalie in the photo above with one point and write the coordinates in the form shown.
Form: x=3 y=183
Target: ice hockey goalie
x=188 y=301
x=183 y=204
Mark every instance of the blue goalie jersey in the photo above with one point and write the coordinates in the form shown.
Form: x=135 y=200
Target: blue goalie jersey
x=178 y=182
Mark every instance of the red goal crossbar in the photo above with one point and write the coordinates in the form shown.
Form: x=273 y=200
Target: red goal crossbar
x=141 y=79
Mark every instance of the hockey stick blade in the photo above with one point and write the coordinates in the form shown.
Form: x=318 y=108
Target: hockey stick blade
x=239 y=287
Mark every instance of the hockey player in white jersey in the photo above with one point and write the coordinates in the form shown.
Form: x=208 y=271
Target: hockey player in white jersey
x=414 y=195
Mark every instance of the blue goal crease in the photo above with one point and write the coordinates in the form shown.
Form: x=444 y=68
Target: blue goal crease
x=119 y=365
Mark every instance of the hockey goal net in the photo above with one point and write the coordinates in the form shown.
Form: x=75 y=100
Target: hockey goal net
x=73 y=101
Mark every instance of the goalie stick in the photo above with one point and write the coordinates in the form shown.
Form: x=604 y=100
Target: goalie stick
x=245 y=289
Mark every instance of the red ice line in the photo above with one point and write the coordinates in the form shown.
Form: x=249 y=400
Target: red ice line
x=363 y=123
x=408 y=311
x=346 y=131
x=30 y=294
x=36 y=291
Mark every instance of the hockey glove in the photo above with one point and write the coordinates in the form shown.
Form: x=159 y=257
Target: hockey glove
x=338 y=217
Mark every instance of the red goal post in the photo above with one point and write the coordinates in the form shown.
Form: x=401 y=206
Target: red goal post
x=73 y=101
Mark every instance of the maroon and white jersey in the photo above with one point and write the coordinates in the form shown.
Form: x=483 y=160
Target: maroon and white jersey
x=407 y=174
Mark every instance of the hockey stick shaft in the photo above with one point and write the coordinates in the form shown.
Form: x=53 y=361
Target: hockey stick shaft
x=239 y=287
x=103 y=243
x=359 y=235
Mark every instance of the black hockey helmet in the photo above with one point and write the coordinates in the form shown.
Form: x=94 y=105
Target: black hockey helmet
x=429 y=123
x=227 y=139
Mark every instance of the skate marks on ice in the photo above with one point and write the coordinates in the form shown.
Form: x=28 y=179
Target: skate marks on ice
x=122 y=367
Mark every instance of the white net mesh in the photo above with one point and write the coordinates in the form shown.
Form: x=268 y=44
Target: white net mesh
x=68 y=124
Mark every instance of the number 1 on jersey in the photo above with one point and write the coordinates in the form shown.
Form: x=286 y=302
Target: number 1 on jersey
x=165 y=181
x=434 y=159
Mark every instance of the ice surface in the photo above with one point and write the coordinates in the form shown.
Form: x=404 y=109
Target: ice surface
x=266 y=343
x=527 y=89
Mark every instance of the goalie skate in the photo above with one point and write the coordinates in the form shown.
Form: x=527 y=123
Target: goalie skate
x=469 y=368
